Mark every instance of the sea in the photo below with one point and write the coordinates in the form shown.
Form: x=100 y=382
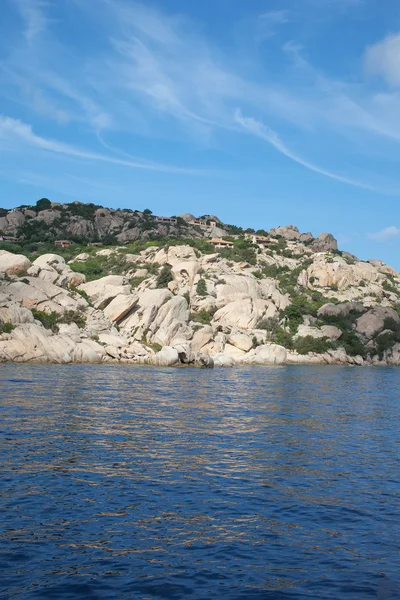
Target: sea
x=249 y=483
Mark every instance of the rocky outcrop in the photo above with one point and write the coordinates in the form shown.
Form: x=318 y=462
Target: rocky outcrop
x=325 y=242
x=295 y=301
x=10 y=264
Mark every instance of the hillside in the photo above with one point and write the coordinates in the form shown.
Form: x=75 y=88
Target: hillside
x=48 y=221
x=278 y=297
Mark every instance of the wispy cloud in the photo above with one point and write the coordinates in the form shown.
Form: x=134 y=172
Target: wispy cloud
x=157 y=72
x=382 y=59
x=258 y=128
x=12 y=130
x=33 y=14
x=385 y=234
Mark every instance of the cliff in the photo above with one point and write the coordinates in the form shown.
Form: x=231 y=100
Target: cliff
x=280 y=298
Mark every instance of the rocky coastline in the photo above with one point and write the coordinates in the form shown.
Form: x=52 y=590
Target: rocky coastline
x=175 y=305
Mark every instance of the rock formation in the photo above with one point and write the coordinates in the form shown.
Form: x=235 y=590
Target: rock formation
x=294 y=300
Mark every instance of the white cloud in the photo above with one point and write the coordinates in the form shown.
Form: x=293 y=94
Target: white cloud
x=385 y=234
x=32 y=12
x=155 y=73
x=275 y=16
x=12 y=130
x=383 y=59
x=263 y=131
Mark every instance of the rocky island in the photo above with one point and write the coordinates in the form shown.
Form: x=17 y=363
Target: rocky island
x=82 y=283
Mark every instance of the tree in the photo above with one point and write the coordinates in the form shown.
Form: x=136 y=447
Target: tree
x=147 y=212
x=43 y=204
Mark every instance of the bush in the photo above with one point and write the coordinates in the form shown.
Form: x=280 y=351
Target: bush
x=204 y=317
x=6 y=327
x=304 y=345
x=48 y=320
x=201 y=288
x=52 y=320
x=164 y=277
x=283 y=338
x=352 y=344
x=269 y=324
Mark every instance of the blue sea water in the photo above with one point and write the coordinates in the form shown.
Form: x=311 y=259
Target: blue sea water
x=242 y=484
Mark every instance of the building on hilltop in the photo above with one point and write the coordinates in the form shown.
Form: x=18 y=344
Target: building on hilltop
x=63 y=243
x=171 y=220
x=201 y=223
x=220 y=243
x=260 y=240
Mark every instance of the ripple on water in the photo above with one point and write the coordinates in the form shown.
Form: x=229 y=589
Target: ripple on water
x=247 y=483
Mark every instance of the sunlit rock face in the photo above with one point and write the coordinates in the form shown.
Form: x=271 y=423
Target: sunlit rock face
x=291 y=299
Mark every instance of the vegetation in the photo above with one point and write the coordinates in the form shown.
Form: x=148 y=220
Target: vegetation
x=52 y=320
x=204 y=317
x=304 y=345
x=164 y=277
x=201 y=288
x=6 y=327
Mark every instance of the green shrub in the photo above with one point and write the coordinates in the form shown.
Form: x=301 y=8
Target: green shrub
x=52 y=320
x=204 y=316
x=352 y=344
x=6 y=327
x=201 y=287
x=283 y=338
x=269 y=324
x=304 y=345
x=164 y=277
x=48 y=320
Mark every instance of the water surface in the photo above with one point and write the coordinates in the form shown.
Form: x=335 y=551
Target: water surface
x=242 y=484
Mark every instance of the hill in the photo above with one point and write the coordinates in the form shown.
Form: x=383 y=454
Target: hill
x=173 y=295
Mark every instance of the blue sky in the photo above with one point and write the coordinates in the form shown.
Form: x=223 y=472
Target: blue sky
x=263 y=112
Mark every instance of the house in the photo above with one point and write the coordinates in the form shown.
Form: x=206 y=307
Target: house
x=220 y=243
x=202 y=223
x=171 y=220
x=63 y=243
x=260 y=240
x=95 y=244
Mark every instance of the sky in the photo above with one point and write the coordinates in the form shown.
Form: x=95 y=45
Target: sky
x=263 y=112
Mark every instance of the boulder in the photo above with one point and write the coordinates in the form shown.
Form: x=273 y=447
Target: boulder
x=331 y=332
x=222 y=360
x=244 y=314
x=10 y=263
x=204 y=361
x=241 y=341
x=15 y=314
x=306 y=330
x=267 y=354
x=167 y=357
x=325 y=242
x=120 y=307
x=102 y=291
x=373 y=321
x=340 y=310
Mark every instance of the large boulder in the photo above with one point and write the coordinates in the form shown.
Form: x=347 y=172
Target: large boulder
x=10 y=263
x=167 y=357
x=340 y=310
x=244 y=314
x=267 y=354
x=102 y=291
x=373 y=321
x=53 y=269
x=241 y=341
x=325 y=242
x=120 y=307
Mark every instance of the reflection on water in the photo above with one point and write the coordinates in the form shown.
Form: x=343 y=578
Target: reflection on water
x=247 y=483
